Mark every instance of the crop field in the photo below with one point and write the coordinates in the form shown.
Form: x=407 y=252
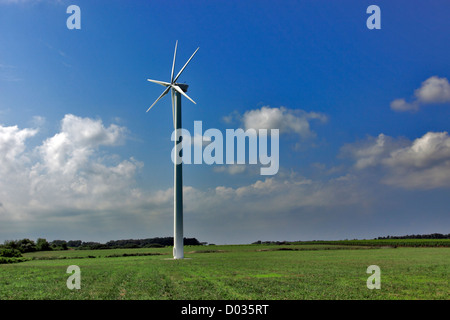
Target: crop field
x=233 y=272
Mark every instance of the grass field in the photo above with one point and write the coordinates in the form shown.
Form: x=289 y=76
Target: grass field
x=299 y=271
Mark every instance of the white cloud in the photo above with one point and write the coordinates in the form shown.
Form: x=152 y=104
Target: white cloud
x=401 y=105
x=66 y=172
x=68 y=187
x=72 y=182
x=232 y=117
x=284 y=119
x=427 y=150
x=288 y=121
x=272 y=198
x=370 y=152
x=421 y=164
x=432 y=90
x=12 y=146
x=71 y=148
x=91 y=133
x=14 y=161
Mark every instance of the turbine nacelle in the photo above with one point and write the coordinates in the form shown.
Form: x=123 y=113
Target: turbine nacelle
x=183 y=86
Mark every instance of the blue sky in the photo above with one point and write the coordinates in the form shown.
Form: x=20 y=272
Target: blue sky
x=363 y=114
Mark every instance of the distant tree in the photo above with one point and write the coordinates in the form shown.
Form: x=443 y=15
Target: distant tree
x=419 y=236
x=11 y=244
x=42 y=245
x=92 y=246
x=24 y=245
x=191 y=242
x=74 y=243
x=149 y=242
x=10 y=253
x=58 y=244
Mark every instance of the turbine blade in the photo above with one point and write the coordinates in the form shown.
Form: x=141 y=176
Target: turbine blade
x=162 y=95
x=182 y=69
x=173 y=64
x=182 y=92
x=162 y=83
x=173 y=108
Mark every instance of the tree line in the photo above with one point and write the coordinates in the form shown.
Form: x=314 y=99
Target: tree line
x=130 y=243
x=16 y=247
x=418 y=236
x=412 y=236
x=27 y=245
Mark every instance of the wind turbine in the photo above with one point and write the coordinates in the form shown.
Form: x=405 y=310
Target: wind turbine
x=177 y=90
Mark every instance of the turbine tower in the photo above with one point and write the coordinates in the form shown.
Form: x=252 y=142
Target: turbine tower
x=177 y=90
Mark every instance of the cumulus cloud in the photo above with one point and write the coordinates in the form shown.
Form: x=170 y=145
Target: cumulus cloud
x=66 y=172
x=71 y=182
x=423 y=164
x=371 y=151
x=14 y=161
x=420 y=164
x=71 y=148
x=12 y=146
x=274 y=196
x=288 y=121
x=434 y=90
x=401 y=105
x=284 y=119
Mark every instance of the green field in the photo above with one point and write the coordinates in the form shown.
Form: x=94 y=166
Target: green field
x=296 y=271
